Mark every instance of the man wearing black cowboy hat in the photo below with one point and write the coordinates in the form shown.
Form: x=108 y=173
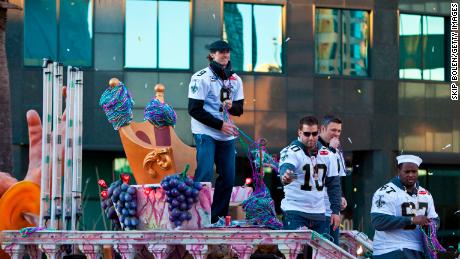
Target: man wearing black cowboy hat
x=216 y=92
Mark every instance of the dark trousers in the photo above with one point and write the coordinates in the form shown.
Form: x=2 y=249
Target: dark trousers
x=401 y=254
x=293 y=220
x=222 y=154
x=333 y=234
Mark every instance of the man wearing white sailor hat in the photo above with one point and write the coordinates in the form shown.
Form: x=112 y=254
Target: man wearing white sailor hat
x=398 y=207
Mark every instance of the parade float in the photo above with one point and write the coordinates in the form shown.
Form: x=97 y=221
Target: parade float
x=161 y=212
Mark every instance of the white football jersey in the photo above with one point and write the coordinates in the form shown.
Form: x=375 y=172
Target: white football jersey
x=205 y=85
x=341 y=168
x=306 y=192
x=392 y=200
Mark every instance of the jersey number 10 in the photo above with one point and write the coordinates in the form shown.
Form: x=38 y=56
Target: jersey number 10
x=319 y=177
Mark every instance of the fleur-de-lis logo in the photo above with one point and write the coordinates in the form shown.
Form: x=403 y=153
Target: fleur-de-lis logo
x=380 y=203
x=194 y=88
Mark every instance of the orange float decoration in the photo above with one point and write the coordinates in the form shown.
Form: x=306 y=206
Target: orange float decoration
x=154 y=152
x=17 y=205
x=21 y=199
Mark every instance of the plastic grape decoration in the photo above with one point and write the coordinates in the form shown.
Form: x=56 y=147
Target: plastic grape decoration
x=181 y=194
x=121 y=205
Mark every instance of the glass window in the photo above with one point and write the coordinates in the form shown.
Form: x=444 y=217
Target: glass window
x=74 y=45
x=255 y=34
x=121 y=166
x=341 y=42
x=421 y=47
x=149 y=42
x=76 y=33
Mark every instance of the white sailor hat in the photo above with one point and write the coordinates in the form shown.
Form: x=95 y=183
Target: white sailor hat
x=409 y=159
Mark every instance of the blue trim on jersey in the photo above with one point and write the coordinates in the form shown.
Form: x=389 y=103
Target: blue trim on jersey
x=334 y=191
x=301 y=145
x=396 y=181
x=285 y=167
x=321 y=143
x=384 y=222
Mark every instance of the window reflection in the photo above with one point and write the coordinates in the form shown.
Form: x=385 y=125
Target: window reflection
x=433 y=48
x=421 y=41
x=267 y=25
x=341 y=50
x=255 y=34
x=140 y=35
x=410 y=47
x=326 y=41
x=174 y=51
x=355 y=42
x=73 y=46
x=75 y=33
x=40 y=31
x=157 y=34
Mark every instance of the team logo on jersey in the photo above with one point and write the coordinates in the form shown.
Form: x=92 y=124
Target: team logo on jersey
x=422 y=192
x=213 y=78
x=324 y=152
x=284 y=155
x=232 y=78
x=194 y=87
x=380 y=203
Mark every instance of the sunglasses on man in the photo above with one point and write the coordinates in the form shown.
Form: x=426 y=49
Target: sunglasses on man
x=308 y=134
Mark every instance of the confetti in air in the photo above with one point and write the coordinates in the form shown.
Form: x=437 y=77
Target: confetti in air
x=287 y=39
x=349 y=140
x=447 y=146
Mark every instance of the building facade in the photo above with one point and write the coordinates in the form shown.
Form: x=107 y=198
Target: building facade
x=381 y=66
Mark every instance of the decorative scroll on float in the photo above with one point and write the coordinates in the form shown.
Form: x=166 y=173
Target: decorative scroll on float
x=152 y=147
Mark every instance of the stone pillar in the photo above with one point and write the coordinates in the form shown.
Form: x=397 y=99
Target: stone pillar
x=243 y=251
x=33 y=251
x=91 y=251
x=128 y=251
x=159 y=251
x=16 y=251
x=290 y=251
x=52 y=251
x=198 y=251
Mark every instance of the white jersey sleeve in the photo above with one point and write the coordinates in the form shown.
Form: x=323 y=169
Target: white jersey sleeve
x=329 y=159
x=431 y=213
x=384 y=199
x=289 y=155
x=199 y=86
x=340 y=163
x=238 y=92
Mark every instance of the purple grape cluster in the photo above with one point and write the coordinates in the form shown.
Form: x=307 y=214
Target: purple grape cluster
x=123 y=198
x=110 y=213
x=181 y=193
